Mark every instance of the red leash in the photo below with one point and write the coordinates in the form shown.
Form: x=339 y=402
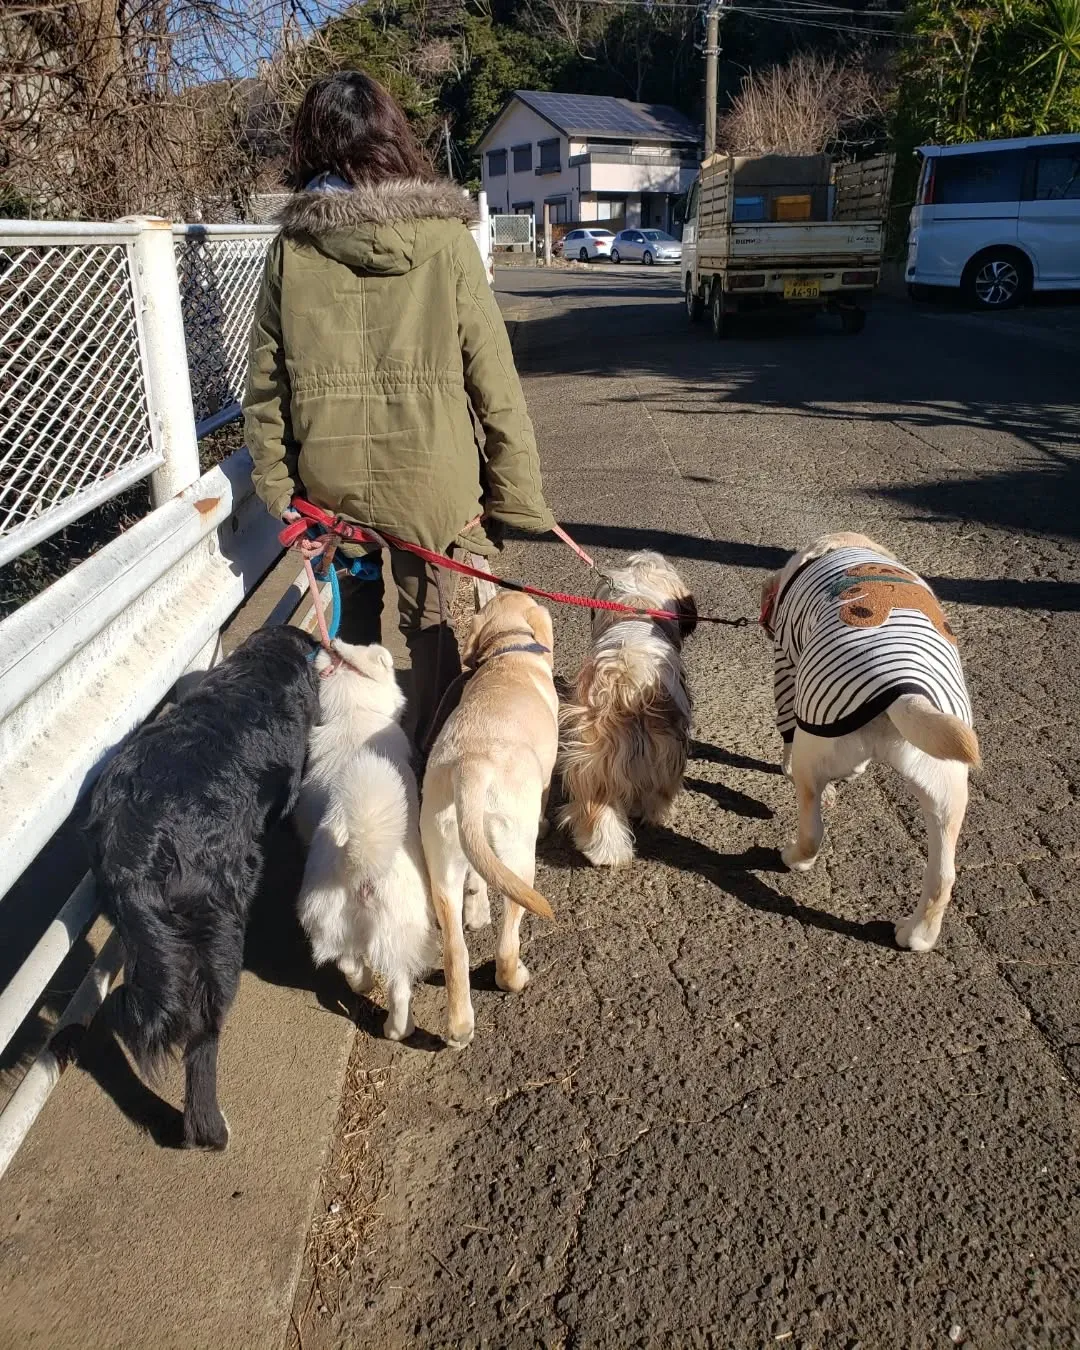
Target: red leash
x=361 y=534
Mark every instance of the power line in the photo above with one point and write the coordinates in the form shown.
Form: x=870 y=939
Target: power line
x=791 y=17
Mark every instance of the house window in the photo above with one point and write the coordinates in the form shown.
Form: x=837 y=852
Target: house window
x=612 y=208
x=560 y=215
x=496 y=163
x=523 y=208
x=550 y=156
x=523 y=159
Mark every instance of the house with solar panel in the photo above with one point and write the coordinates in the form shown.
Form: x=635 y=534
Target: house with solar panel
x=590 y=158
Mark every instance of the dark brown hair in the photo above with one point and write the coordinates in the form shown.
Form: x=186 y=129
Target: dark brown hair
x=350 y=126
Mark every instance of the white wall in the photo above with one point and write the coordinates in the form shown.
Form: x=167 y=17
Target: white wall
x=519 y=125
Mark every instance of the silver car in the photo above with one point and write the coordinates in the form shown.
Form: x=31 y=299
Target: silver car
x=646 y=246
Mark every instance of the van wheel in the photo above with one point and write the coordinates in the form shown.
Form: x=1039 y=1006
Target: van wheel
x=997 y=279
x=716 y=310
x=695 y=306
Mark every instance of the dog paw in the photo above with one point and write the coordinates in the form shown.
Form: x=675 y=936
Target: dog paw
x=916 y=935
x=828 y=797
x=457 y=1038
x=512 y=979
x=793 y=859
x=608 y=853
x=210 y=1136
x=397 y=1030
x=360 y=979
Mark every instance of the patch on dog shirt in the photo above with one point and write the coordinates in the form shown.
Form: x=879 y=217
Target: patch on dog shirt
x=852 y=632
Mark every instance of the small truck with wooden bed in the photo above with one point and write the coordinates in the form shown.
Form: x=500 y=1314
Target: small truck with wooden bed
x=785 y=232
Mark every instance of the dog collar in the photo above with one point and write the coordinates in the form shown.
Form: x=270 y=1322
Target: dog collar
x=531 y=648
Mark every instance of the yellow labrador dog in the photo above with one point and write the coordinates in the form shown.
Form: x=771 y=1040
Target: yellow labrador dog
x=485 y=791
x=866 y=668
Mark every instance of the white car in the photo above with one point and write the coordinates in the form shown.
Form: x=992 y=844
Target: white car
x=646 y=246
x=997 y=220
x=587 y=245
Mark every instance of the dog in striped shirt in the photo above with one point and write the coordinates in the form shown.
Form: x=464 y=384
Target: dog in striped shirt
x=866 y=668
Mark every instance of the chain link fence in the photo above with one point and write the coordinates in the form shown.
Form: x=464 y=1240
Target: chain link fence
x=95 y=322
x=73 y=407
x=218 y=270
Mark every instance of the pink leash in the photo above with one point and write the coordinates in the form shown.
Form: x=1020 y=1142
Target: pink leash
x=316 y=601
x=561 y=534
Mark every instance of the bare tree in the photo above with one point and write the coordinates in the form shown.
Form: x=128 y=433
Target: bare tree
x=812 y=104
x=109 y=107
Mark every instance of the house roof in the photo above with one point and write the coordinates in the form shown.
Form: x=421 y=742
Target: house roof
x=599 y=115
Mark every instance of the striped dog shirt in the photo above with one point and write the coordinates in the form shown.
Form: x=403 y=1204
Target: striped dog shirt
x=852 y=631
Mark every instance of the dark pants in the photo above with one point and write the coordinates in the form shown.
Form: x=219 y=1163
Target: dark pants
x=433 y=650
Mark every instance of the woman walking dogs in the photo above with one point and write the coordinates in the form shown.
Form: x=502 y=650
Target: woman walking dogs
x=376 y=340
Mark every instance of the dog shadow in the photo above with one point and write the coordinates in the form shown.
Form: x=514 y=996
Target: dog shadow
x=734 y=873
x=715 y=754
x=101 y=1055
x=730 y=799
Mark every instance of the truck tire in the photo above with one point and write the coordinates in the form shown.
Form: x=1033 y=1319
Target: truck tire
x=717 y=317
x=695 y=306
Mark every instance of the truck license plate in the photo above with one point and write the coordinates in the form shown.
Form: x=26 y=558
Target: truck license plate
x=802 y=290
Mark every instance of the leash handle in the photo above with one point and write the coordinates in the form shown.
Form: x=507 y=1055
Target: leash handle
x=295 y=530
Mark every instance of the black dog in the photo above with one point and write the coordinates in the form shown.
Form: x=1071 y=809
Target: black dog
x=176 y=839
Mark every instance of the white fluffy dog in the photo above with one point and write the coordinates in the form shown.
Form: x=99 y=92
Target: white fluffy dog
x=866 y=668
x=625 y=734
x=365 y=902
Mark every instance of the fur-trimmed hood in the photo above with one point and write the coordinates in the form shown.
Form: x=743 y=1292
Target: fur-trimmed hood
x=388 y=227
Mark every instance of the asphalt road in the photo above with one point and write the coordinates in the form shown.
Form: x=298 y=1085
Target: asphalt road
x=726 y=1111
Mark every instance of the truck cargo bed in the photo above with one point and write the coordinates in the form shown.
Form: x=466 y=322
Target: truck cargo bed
x=792 y=243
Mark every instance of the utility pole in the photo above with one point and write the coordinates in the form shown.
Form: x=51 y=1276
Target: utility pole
x=712 y=60
x=449 y=152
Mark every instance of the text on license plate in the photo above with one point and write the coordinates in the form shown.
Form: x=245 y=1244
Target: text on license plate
x=802 y=290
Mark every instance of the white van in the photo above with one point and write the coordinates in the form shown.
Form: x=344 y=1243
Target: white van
x=997 y=219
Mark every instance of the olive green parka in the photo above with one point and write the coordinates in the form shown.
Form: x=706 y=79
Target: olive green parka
x=376 y=339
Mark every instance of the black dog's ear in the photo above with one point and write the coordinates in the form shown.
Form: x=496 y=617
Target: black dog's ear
x=686 y=609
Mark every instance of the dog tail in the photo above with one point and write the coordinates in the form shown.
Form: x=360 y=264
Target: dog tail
x=470 y=791
x=368 y=816
x=936 y=733
x=150 y=1010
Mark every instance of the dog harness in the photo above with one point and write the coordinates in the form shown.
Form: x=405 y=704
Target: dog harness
x=852 y=631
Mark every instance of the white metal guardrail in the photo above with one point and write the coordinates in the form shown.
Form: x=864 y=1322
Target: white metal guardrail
x=119 y=345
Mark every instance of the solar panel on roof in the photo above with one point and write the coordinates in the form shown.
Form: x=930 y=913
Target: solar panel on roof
x=601 y=113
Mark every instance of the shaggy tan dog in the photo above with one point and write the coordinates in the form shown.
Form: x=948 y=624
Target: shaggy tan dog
x=626 y=732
